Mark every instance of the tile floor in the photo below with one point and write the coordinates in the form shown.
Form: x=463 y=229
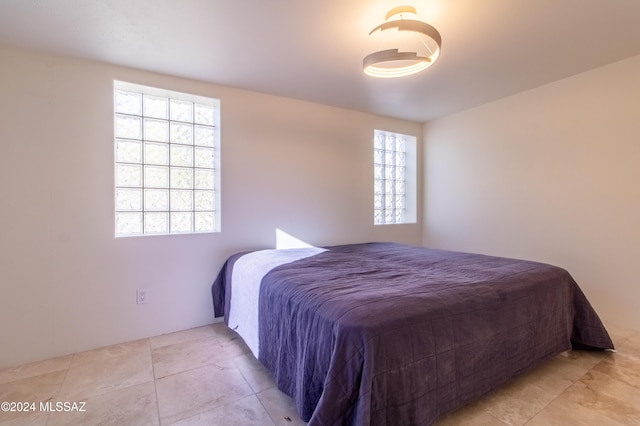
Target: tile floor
x=207 y=376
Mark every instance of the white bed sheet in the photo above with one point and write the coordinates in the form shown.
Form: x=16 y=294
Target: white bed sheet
x=246 y=279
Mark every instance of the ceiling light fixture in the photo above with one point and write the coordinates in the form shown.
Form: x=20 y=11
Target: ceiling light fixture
x=419 y=41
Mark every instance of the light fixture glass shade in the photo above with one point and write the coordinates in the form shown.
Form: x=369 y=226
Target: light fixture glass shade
x=413 y=45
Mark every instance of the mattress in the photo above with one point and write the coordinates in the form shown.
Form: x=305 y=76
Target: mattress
x=385 y=333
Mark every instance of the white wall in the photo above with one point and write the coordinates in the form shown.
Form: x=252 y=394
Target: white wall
x=551 y=174
x=68 y=285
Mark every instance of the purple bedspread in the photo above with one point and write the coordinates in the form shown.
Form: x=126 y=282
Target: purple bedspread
x=384 y=333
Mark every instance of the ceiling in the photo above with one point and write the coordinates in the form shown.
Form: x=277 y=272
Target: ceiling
x=313 y=49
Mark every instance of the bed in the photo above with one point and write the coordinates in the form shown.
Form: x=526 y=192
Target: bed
x=385 y=333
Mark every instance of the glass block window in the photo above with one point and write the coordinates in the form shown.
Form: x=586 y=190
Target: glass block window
x=166 y=161
x=390 y=177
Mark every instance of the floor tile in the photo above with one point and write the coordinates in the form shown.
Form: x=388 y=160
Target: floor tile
x=179 y=357
x=619 y=334
x=27 y=419
x=256 y=374
x=213 y=331
x=517 y=402
x=245 y=412
x=35 y=369
x=195 y=391
x=135 y=405
x=280 y=407
x=623 y=367
x=606 y=395
x=584 y=359
x=631 y=345
x=564 y=413
x=87 y=377
x=554 y=376
x=35 y=390
x=109 y=352
x=470 y=415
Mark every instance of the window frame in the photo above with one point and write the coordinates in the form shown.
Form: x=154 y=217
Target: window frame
x=386 y=195
x=190 y=205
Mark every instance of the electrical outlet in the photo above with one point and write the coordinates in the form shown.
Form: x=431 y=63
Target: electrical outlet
x=141 y=296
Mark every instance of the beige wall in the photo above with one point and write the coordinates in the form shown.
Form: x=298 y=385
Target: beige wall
x=551 y=174
x=69 y=285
